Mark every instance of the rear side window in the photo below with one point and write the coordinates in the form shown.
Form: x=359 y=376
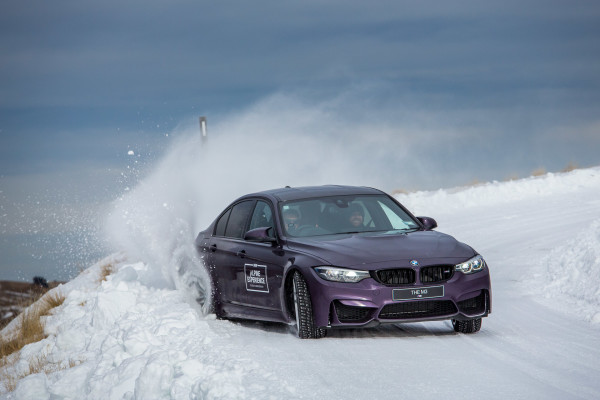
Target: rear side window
x=237 y=220
x=222 y=223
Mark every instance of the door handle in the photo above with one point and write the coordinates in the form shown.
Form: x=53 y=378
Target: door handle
x=213 y=248
x=241 y=253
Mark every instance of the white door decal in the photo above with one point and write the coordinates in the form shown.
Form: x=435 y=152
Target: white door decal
x=256 y=278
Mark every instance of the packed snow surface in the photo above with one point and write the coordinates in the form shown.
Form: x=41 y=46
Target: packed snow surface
x=128 y=337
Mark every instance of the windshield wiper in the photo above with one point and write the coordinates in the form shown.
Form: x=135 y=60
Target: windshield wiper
x=354 y=232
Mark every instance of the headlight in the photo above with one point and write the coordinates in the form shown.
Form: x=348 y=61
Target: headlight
x=341 y=274
x=473 y=265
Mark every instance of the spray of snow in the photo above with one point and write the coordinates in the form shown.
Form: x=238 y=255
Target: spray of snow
x=279 y=141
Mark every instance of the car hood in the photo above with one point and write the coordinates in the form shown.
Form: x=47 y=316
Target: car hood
x=427 y=247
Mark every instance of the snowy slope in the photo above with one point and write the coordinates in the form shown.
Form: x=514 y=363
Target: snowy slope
x=557 y=218
x=131 y=338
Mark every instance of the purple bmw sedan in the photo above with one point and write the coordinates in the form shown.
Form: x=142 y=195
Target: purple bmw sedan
x=328 y=257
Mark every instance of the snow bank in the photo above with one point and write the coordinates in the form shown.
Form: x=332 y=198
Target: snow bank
x=494 y=193
x=121 y=339
x=568 y=278
x=570 y=275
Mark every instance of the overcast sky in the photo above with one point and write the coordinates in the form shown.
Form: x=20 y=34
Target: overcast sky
x=79 y=78
x=475 y=90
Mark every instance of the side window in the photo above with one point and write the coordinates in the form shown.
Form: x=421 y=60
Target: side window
x=222 y=223
x=262 y=217
x=238 y=219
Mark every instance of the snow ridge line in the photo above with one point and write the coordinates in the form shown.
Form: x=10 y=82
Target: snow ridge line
x=494 y=193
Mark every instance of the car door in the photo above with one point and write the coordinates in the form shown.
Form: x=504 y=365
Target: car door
x=263 y=263
x=226 y=253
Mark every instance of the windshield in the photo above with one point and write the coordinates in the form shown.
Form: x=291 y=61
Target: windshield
x=344 y=214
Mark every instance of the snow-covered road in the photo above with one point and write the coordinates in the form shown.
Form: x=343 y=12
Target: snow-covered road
x=542 y=341
x=525 y=349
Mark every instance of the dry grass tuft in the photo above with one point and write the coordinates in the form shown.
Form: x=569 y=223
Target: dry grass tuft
x=38 y=364
x=539 y=171
x=30 y=329
x=399 y=191
x=570 y=167
x=74 y=363
x=51 y=301
x=105 y=271
x=9 y=380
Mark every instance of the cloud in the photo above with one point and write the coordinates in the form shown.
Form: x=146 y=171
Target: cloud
x=188 y=52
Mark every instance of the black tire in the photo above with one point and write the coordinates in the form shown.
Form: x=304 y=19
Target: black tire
x=206 y=295
x=305 y=324
x=468 y=326
x=203 y=299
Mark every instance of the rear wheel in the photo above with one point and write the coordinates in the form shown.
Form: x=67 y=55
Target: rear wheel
x=204 y=299
x=305 y=324
x=205 y=293
x=468 y=326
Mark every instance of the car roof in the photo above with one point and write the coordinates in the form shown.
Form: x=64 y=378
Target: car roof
x=296 y=193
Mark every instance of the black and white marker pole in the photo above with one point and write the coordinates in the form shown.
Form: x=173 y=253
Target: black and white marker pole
x=203 y=129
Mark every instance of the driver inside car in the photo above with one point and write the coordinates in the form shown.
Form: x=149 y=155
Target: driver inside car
x=356 y=217
x=291 y=220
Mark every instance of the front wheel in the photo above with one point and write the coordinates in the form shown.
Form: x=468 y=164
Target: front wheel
x=468 y=326
x=305 y=324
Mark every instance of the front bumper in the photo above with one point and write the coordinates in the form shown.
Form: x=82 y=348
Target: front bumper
x=369 y=303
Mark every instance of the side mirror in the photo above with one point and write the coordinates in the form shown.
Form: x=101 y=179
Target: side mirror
x=260 y=235
x=428 y=223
